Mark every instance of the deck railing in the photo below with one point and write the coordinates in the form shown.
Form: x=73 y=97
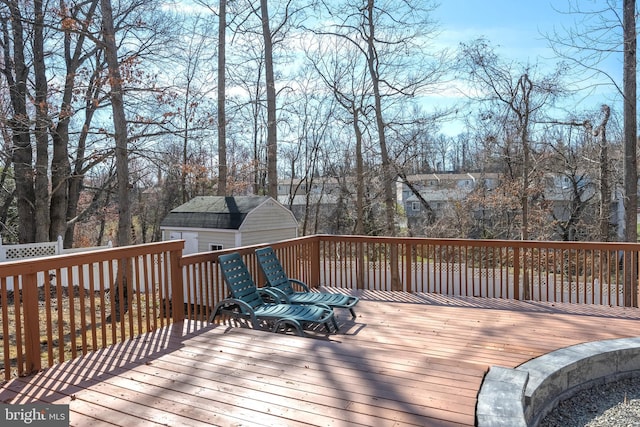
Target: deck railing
x=61 y=307
x=574 y=272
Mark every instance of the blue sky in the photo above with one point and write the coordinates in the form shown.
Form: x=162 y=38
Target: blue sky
x=514 y=25
x=516 y=29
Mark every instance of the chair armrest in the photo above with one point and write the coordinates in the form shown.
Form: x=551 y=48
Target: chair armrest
x=268 y=295
x=301 y=284
x=278 y=295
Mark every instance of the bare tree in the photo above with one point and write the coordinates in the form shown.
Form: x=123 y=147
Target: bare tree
x=570 y=184
x=602 y=32
x=311 y=120
x=222 y=118
x=119 y=123
x=383 y=32
x=630 y=131
x=522 y=96
x=63 y=41
x=272 y=124
x=604 y=216
x=16 y=73
x=344 y=75
x=246 y=113
x=193 y=87
x=91 y=101
x=41 y=131
x=373 y=62
x=65 y=186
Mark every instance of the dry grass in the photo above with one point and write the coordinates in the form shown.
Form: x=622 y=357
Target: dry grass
x=67 y=331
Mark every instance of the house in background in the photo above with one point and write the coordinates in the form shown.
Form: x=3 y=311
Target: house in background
x=315 y=198
x=440 y=191
x=209 y=223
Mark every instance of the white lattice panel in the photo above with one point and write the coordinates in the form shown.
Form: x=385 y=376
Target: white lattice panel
x=30 y=251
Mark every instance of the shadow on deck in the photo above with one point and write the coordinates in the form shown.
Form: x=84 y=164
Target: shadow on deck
x=407 y=359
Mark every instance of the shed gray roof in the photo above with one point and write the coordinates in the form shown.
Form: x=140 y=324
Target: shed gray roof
x=213 y=212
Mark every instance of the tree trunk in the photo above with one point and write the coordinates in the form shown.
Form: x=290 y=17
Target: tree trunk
x=387 y=177
x=525 y=85
x=630 y=141
x=431 y=215
x=359 y=200
x=185 y=144
x=61 y=181
x=359 y=228
x=22 y=150
x=119 y=123
x=630 y=122
x=222 y=118
x=272 y=136
x=77 y=178
x=60 y=175
x=605 y=186
x=41 y=130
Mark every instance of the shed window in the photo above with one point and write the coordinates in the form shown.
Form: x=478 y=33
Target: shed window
x=215 y=247
x=415 y=206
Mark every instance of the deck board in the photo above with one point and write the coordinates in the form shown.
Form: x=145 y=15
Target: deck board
x=405 y=360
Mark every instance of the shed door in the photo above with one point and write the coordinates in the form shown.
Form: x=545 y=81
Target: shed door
x=190 y=241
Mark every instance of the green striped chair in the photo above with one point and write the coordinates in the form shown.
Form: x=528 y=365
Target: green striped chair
x=279 y=283
x=247 y=301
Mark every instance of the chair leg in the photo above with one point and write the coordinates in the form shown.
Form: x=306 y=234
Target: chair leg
x=285 y=323
x=326 y=326
x=217 y=310
x=353 y=313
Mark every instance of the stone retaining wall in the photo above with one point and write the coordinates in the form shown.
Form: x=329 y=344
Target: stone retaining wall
x=523 y=396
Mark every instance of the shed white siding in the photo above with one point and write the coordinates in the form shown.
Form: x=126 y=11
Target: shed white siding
x=272 y=217
x=206 y=238
x=267 y=222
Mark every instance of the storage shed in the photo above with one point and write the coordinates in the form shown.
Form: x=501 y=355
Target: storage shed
x=209 y=223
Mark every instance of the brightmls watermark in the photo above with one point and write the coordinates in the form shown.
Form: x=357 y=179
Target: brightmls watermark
x=34 y=415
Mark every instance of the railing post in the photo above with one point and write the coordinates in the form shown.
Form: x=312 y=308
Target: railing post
x=177 y=287
x=31 y=322
x=315 y=262
x=394 y=254
x=634 y=278
x=59 y=245
x=408 y=261
x=516 y=273
x=361 y=265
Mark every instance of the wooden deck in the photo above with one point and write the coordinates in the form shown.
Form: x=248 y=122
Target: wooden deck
x=406 y=360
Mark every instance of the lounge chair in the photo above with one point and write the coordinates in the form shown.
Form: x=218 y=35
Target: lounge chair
x=277 y=281
x=246 y=301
